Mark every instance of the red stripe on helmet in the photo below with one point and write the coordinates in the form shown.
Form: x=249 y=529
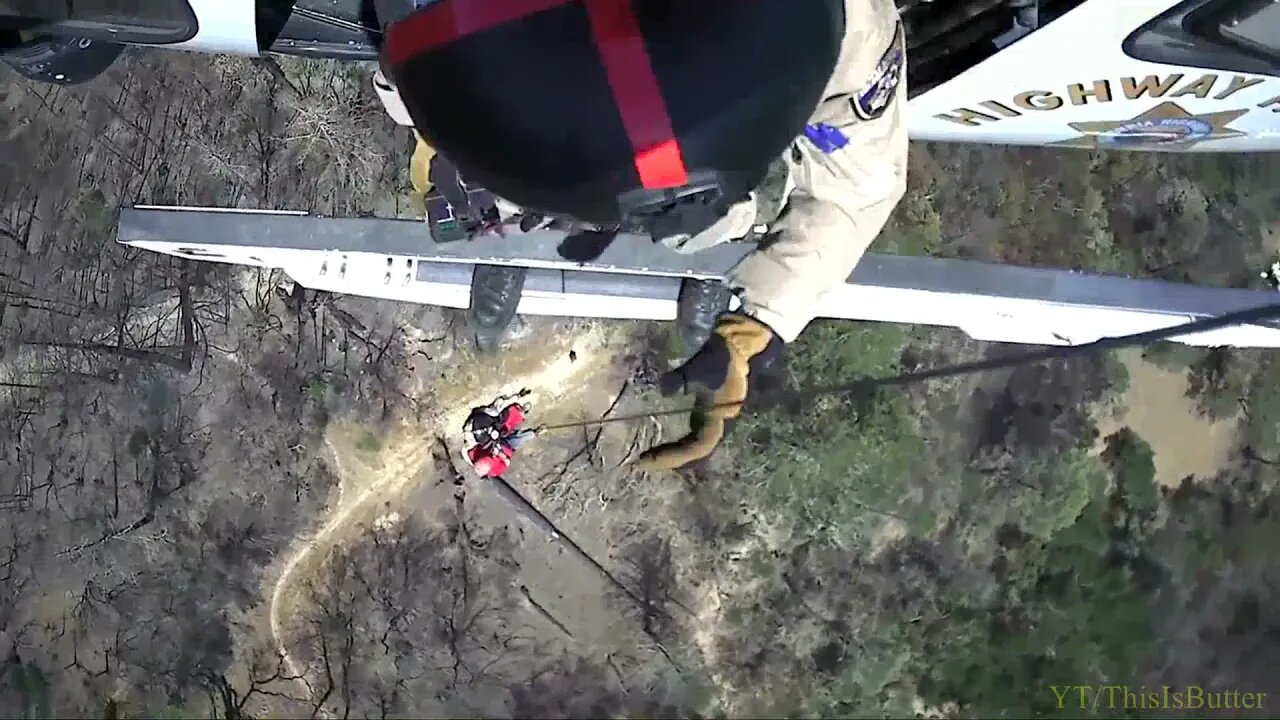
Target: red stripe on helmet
x=662 y=166
x=635 y=91
x=616 y=32
x=447 y=21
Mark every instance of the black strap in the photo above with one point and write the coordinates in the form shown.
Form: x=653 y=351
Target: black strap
x=1240 y=317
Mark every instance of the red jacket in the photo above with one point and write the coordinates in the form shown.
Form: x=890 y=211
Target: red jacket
x=499 y=452
x=511 y=418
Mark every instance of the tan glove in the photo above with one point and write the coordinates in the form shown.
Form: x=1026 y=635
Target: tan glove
x=420 y=166
x=742 y=354
x=420 y=177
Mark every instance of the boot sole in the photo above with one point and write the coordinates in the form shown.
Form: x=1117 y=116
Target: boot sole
x=495 y=295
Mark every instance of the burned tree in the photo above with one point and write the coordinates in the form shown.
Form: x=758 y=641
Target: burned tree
x=415 y=618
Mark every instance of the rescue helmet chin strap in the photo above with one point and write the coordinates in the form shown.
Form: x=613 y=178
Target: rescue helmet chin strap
x=675 y=212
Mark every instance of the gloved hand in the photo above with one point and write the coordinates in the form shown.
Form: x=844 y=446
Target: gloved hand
x=742 y=355
x=420 y=167
x=489 y=220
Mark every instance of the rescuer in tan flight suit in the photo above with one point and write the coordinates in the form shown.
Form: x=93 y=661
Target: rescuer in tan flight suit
x=668 y=114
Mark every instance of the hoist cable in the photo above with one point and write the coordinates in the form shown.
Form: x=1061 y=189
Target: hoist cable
x=1146 y=337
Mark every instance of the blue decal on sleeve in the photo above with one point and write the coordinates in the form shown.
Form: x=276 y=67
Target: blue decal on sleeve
x=875 y=97
x=828 y=139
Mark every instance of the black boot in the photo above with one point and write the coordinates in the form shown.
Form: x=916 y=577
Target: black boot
x=530 y=221
x=495 y=294
x=701 y=303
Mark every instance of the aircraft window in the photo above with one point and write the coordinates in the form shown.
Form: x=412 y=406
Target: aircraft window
x=1254 y=29
x=1234 y=35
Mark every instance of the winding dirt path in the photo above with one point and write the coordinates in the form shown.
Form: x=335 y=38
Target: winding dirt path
x=548 y=371
x=400 y=467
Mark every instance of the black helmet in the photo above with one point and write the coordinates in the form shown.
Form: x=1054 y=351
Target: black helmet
x=603 y=109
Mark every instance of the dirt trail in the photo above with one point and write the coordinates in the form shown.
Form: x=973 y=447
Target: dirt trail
x=547 y=370
x=1157 y=409
x=400 y=466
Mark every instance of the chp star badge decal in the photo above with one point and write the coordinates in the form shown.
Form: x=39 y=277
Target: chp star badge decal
x=875 y=97
x=1165 y=126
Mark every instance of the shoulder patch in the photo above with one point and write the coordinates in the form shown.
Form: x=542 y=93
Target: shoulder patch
x=875 y=97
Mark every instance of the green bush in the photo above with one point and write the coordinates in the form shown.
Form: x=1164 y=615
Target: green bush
x=835 y=459
x=1261 y=428
x=1133 y=464
x=1063 y=599
x=1061 y=489
x=874 y=681
x=369 y=443
x=1219 y=380
x=27 y=682
x=915 y=227
x=1173 y=356
x=1067 y=613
